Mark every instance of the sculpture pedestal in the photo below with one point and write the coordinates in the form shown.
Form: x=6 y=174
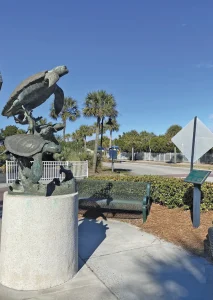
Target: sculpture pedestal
x=39 y=241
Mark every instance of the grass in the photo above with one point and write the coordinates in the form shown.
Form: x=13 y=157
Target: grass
x=105 y=171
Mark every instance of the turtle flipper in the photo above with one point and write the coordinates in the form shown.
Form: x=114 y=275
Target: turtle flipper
x=51 y=77
x=59 y=100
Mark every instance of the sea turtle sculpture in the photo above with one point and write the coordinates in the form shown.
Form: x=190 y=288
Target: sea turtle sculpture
x=46 y=130
x=39 y=143
x=28 y=147
x=34 y=91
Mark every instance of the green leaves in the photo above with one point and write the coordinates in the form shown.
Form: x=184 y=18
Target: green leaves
x=147 y=141
x=100 y=104
x=11 y=130
x=69 y=112
x=173 y=130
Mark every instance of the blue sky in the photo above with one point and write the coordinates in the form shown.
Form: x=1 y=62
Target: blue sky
x=155 y=57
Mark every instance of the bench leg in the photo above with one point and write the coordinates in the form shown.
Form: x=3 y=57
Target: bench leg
x=144 y=214
x=145 y=208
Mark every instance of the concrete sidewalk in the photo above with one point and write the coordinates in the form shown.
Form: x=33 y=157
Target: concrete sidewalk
x=3 y=185
x=118 y=261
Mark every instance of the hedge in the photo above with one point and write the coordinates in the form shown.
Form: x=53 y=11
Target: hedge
x=170 y=192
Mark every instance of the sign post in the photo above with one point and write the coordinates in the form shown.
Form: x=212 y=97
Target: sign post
x=113 y=155
x=197 y=187
x=194 y=140
x=196 y=205
x=197 y=177
x=1 y=81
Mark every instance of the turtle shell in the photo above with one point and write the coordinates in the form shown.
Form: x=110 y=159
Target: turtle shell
x=24 y=84
x=25 y=145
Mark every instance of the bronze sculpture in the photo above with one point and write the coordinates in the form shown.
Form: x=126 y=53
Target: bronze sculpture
x=29 y=148
x=35 y=90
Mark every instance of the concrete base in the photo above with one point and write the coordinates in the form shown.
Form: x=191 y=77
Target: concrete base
x=39 y=241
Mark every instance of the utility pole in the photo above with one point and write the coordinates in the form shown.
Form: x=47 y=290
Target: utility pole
x=175 y=155
x=1 y=81
x=193 y=143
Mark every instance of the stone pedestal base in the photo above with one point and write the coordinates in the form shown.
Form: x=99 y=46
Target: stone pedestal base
x=39 y=241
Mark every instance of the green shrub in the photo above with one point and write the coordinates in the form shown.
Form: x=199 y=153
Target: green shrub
x=107 y=189
x=87 y=156
x=171 y=192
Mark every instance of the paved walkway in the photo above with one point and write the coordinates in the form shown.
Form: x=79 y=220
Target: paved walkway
x=118 y=261
x=146 y=168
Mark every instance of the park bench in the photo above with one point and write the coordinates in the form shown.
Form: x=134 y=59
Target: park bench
x=115 y=196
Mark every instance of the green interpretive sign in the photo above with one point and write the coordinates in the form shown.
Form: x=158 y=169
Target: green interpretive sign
x=197 y=176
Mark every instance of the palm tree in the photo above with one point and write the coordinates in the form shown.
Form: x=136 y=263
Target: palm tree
x=112 y=125
x=85 y=131
x=99 y=105
x=76 y=135
x=69 y=112
x=43 y=121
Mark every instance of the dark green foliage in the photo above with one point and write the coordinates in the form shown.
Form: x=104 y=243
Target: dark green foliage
x=173 y=130
x=107 y=189
x=171 y=192
x=147 y=141
x=9 y=130
x=105 y=144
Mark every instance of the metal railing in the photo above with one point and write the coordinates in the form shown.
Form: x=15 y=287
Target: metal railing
x=163 y=157
x=50 y=170
x=170 y=157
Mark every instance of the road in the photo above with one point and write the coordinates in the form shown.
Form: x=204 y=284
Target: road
x=141 y=168
x=2 y=178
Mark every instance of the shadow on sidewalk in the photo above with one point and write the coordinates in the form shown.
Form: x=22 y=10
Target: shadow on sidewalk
x=2 y=190
x=91 y=233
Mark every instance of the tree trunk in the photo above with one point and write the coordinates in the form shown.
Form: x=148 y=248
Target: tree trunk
x=110 y=139
x=96 y=145
x=102 y=129
x=64 y=130
x=85 y=143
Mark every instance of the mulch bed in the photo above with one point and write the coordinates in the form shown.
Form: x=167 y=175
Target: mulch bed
x=175 y=225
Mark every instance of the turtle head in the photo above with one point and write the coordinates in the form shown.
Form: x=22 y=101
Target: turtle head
x=61 y=70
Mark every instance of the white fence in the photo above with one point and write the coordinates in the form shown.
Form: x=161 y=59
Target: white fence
x=50 y=170
x=163 y=157
x=170 y=157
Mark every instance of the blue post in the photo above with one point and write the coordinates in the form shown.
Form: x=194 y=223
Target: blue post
x=196 y=205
